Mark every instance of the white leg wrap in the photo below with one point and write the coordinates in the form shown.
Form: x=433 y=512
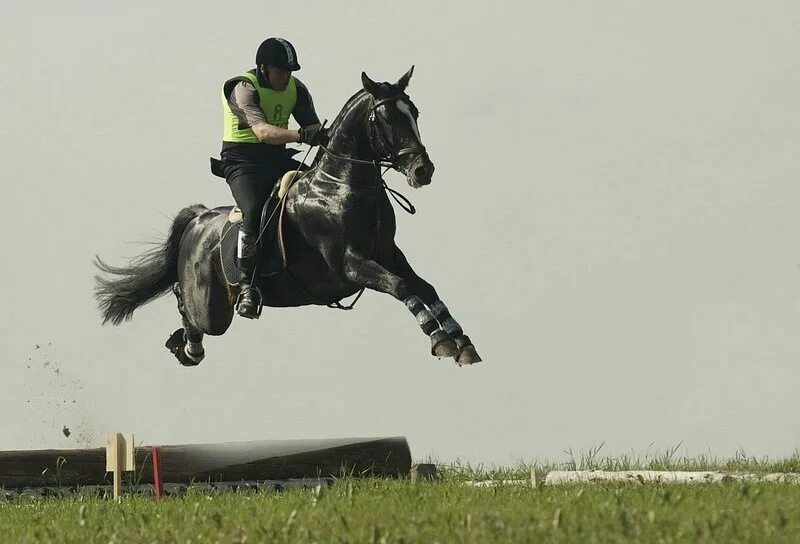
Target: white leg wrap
x=442 y=314
x=452 y=327
x=424 y=318
x=194 y=351
x=438 y=308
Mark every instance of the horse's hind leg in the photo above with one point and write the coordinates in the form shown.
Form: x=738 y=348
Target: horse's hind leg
x=186 y=343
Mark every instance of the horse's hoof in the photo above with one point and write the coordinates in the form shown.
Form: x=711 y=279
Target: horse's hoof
x=468 y=356
x=179 y=347
x=187 y=360
x=175 y=342
x=446 y=348
x=442 y=345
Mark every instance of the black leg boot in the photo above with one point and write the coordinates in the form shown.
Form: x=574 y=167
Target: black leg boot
x=249 y=302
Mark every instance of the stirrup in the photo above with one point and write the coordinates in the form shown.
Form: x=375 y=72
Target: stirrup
x=258 y=304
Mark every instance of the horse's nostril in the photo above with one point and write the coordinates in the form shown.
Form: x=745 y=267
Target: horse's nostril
x=422 y=171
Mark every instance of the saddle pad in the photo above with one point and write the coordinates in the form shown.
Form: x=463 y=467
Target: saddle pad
x=271 y=261
x=228 y=246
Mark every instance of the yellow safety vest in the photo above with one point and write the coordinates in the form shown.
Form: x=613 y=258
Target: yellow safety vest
x=276 y=105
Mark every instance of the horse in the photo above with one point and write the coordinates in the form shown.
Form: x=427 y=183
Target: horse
x=338 y=229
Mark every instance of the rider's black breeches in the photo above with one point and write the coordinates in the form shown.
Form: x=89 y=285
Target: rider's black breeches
x=251 y=185
x=250 y=191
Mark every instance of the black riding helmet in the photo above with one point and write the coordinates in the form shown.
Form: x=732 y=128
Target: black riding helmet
x=279 y=53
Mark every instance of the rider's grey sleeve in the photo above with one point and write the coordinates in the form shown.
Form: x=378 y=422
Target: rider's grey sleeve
x=244 y=104
x=304 y=112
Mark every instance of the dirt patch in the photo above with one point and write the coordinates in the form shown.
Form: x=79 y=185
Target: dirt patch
x=57 y=405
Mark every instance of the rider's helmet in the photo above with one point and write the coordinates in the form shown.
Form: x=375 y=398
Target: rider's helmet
x=279 y=53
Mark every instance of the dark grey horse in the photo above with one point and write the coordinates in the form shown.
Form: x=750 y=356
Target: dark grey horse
x=339 y=233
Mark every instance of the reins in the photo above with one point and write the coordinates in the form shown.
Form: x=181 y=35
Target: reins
x=387 y=163
x=398 y=197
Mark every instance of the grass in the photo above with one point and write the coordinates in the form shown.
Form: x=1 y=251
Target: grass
x=592 y=460
x=372 y=510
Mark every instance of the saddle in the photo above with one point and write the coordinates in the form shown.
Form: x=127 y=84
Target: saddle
x=273 y=250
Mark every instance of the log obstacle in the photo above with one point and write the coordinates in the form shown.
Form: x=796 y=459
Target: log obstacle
x=222 y=462
x=568 y=477
x=561 y=477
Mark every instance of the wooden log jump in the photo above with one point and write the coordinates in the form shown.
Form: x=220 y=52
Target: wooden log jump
x=223 y=462
x=561 y=477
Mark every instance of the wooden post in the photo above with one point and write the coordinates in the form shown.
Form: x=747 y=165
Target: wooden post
x=119 y=458
x=158 y=478
x=423 y=471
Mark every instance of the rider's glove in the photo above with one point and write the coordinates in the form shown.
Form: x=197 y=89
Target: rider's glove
x=314 y=135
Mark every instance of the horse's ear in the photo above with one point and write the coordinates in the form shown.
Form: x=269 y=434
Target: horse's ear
x=370 y=86
x=402 y=83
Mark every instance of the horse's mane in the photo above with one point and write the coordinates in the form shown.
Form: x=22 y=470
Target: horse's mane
x=347 y=108
x=352 y=103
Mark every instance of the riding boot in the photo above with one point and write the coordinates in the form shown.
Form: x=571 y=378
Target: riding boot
x=249 y=302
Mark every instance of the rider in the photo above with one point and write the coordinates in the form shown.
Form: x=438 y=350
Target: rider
x=257 y=105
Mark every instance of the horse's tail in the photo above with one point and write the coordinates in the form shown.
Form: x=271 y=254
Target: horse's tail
x=148 y=276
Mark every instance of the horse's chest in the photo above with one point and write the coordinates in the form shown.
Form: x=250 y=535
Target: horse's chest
x=371 y=214
x=349 y=218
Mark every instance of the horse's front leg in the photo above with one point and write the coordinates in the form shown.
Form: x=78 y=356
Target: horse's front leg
x=398 y=279
x=465 y=352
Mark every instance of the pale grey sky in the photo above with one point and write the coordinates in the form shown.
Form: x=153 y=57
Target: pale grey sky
x=615 y=219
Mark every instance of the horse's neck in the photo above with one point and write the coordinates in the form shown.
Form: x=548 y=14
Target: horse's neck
x=349 y=133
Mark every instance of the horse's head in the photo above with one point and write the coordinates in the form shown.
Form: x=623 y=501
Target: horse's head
x=393 y=129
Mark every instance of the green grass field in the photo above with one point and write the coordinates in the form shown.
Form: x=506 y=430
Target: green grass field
x=371 y=510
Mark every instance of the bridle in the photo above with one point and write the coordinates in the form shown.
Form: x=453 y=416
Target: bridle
x=387 y=157
x=383 y=160
x=385 y=142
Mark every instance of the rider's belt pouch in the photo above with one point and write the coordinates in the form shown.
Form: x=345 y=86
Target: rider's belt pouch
x=217 y=168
